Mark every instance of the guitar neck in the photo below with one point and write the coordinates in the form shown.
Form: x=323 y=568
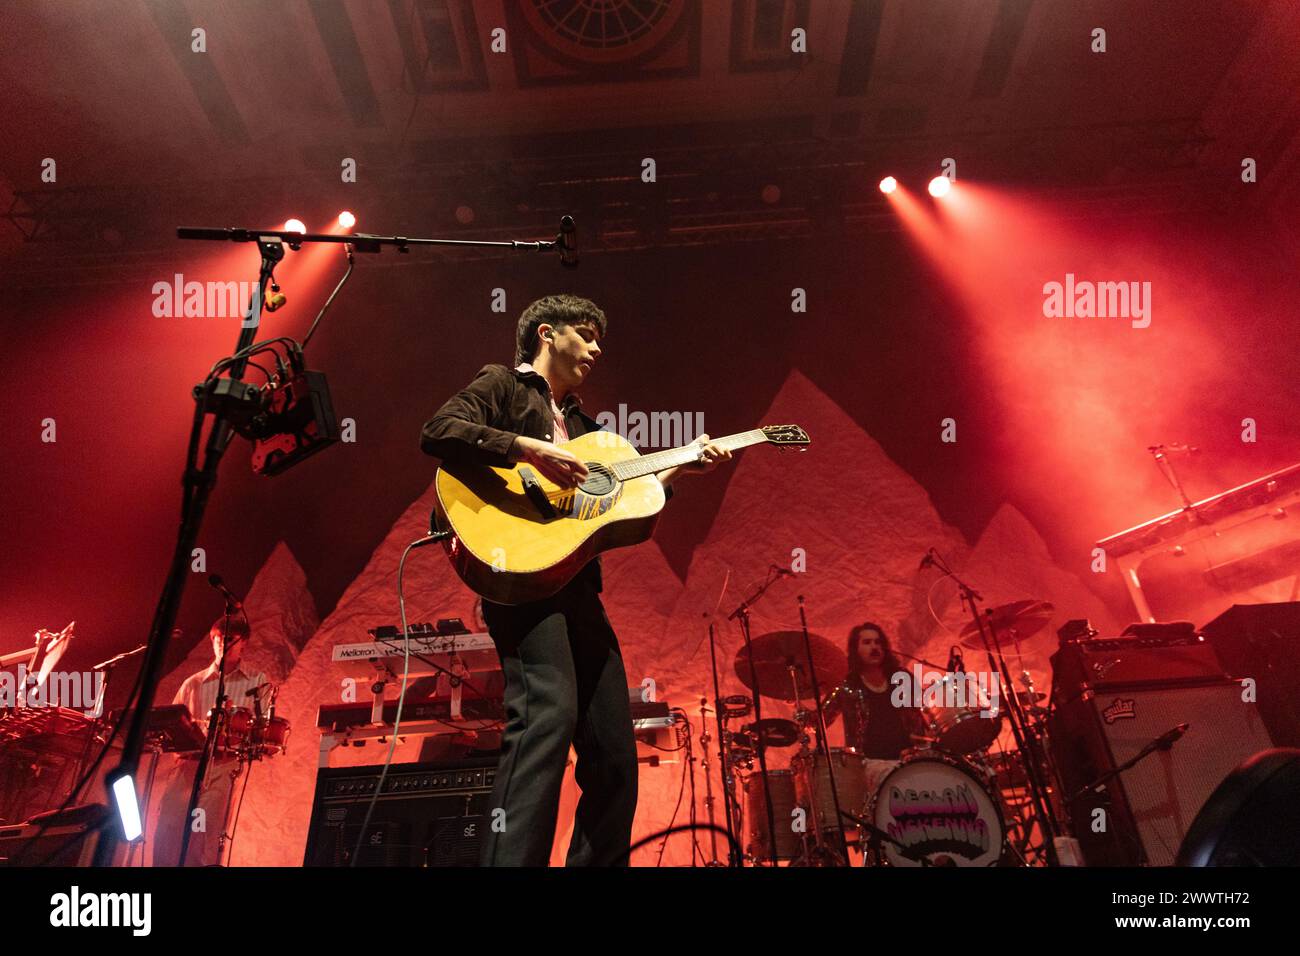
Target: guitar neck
x=659 y=461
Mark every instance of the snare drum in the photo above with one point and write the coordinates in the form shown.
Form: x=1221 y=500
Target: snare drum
x=941 y=810
x=961 y=730
x=238 y=729
x=814 y=785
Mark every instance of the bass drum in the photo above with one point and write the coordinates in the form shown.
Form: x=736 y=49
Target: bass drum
x=940 y=809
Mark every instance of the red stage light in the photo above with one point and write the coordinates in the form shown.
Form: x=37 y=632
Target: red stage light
x=888 y=185
x=939 y=186
x=347 y=220
x=295 y=225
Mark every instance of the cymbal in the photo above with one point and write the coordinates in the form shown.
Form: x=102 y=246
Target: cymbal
x=778 y=652
x=770 y=732
x=1024 y=618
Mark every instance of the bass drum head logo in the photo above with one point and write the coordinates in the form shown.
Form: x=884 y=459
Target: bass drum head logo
x=939 y=813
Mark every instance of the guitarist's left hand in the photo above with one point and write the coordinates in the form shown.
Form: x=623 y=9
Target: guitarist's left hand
x=711 y=456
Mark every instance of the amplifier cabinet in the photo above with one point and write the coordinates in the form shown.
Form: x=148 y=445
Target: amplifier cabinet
x=1140 y=817
x=429 y=814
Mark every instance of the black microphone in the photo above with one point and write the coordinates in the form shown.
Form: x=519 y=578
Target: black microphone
x=567 y=241
x=1166 y=740
x=780 y=570
x=234 y=602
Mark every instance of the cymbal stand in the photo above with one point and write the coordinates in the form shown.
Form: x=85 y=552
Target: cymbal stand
x=840 y=852
x=741 y=614
x=1015 y=714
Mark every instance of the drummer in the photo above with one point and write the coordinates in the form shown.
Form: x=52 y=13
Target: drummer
x=198 y=694
x=873 y=725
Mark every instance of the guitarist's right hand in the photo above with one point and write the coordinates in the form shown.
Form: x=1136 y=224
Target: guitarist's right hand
x=556 y=464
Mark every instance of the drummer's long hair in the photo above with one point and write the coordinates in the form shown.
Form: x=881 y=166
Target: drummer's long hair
x=889 y=660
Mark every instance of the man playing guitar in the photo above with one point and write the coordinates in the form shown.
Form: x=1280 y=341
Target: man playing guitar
x=564 y=678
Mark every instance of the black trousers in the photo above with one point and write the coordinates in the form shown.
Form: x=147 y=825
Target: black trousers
x=564 y=684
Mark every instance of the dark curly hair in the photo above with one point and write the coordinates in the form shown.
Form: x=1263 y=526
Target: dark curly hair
x=889 y=660
x=556 y=310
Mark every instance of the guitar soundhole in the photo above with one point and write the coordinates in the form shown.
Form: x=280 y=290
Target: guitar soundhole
x=600 y=480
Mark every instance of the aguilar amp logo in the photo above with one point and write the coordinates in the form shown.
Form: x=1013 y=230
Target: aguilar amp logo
x=1118 y=709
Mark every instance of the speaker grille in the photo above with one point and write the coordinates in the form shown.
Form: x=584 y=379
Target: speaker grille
x=1166 y=789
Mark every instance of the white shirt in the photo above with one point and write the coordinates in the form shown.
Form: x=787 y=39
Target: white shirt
x=199 y=692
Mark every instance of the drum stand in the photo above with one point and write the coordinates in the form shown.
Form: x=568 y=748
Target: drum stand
x=224 y=839
x=742 y=614
x=705 y=740
x=816 y=850
x=725 y=768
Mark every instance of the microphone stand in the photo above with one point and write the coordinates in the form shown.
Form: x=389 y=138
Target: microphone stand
x=215 y=722
x=1016 y=717
x=823 y=745
x=1126 y=817
x=106 y=667
x=741 y=614
x=197 y=483
x=1160 y=743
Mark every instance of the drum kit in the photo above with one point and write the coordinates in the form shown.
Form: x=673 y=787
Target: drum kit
x=250 y=734
x=953 y=799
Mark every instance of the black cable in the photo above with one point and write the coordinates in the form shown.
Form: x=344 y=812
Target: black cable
x=687 y=738
x=671 y=820
x=669 y=831
x=401 y=701
x=347 y=249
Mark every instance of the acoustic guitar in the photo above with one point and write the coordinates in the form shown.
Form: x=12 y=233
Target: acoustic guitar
x=515 y=536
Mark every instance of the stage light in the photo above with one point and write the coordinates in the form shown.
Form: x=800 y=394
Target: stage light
x=295 y=225
x=347 y=220
x=128 y=809
x=888 y=185
x=939 y=186
x=464 y=214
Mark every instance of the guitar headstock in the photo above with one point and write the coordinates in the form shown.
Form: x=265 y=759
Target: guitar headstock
x=786 y=436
